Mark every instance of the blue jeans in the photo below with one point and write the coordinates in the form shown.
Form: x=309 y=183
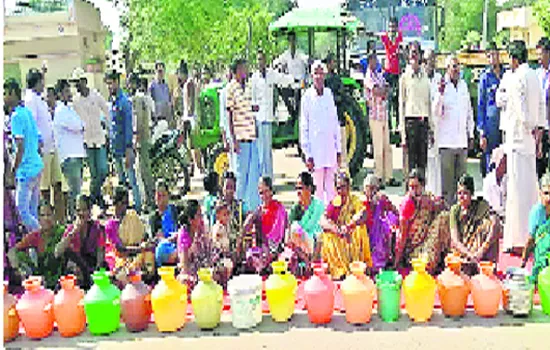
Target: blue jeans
x=265 y=152
x=27 y=195
x=247 y=173
x=124 y=174
x=97 y=161
x=72 y=170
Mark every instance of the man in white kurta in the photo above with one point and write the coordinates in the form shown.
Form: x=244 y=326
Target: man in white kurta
x=320 y=134
x=433 y=169
x=524 y=105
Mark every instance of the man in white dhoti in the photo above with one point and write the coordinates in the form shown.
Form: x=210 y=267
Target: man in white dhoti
x=433 y=170
x=525 y=106
x=320 y=134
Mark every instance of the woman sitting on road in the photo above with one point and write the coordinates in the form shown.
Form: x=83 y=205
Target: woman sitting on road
x=422 y=230
x=475 y=228
x=382 y=218
x=539 y=230
x=266 y=225
x=164 y=221
x=345 y=236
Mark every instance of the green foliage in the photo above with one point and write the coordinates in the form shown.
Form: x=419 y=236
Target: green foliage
x=472 y=39
x=510 y=4
x=200 y=31
x=541 y=9
x=502 y=38
x=461 y=17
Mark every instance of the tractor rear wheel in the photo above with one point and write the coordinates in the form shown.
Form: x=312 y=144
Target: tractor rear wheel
x=357 y=135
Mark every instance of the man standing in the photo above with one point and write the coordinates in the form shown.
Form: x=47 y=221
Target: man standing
x=391 y=40
x=69 y=133
x=525 y=105
x=28 y=164
x=143 y=109
x=376 y=92
x=488 y=114
x=495 y=183
x=433 y=168
x=543 y=72
x=90 y=106
x=122 y=135
x=51 y=176
x=334 y=83
x=262 y=83
x=456 y=128
x=320 y=134
x=160 y=93
x=415 y=112
x=293 y=62
x=242 y=128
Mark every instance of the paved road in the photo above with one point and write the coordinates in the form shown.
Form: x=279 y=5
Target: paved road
x=470 y=332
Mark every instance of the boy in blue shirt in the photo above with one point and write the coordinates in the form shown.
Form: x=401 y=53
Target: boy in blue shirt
x=28 y=162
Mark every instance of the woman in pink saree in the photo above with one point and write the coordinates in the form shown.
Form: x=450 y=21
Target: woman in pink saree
x=265 y=227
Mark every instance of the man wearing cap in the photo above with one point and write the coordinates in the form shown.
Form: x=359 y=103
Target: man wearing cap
x=525 y=105
x=543 y=72
x=494 y=184
x=160 y=93
x=320 y=134
x=92 y=108
x=488 y=113
x=454 y=115
x=243 y=136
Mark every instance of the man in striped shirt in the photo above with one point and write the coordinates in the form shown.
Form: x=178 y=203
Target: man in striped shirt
x=243 y=135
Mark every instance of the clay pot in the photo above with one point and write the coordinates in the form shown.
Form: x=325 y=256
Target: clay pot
x=68 y=308
x=358 y=291
x=35 y=309
x=319 y=295
x=11 y=319
x=486 y=291
x=453 y=288
x=135 y=303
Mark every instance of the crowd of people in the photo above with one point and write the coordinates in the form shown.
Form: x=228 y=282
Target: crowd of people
x=240 y=227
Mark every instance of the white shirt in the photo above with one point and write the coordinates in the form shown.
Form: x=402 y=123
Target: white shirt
x=526 y=108
x=502 y=98
x=90 y=109
x=41 y=113
x=319 y=128
x=494 y=194
x=455 y=116
x=69 y=132
x=434 y=122
x=544 y=78
x=262 y=93
x=296 y=65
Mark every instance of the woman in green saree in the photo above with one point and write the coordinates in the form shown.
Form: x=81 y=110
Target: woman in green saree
x=475 y=228
x=539 y=230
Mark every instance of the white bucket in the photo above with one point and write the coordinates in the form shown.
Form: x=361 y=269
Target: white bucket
x=245 y=292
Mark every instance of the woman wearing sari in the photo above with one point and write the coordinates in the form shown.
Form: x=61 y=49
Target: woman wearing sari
x=423 y=229
x=381 y=219
x=266 y=225
x=539 y=230
x=475 y=228
x=345 y=238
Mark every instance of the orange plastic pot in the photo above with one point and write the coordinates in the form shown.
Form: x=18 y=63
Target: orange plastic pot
x=319 y=295
x=453 y=288
x=11 y=319
x=135 y=304
x=35 y=309
x=486 y=291
x=358 y=291
x=68 y=308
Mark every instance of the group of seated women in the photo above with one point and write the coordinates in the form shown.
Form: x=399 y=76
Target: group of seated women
x=368 y=228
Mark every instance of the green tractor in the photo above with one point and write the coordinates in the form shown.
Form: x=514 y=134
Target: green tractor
x=305 y=23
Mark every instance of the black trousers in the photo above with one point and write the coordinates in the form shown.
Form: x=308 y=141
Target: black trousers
x=291 y=98
x=417 y=133
x=543 y=164
x=393 y=100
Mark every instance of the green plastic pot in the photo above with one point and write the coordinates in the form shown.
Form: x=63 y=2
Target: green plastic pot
x=388 y=285
x=544 y=288
x=102 y=305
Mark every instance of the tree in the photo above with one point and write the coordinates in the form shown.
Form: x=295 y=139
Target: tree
x=541 y=9
x=461 y=17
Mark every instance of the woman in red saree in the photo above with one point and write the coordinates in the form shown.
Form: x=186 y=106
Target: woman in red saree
x=266 y=225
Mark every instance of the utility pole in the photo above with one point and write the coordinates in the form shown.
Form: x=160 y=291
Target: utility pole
x=485 y=14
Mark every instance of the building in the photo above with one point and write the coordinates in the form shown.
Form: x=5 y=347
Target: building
x=62 y=34
x=522 y=24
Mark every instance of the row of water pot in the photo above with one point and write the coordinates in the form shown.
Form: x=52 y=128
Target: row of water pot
x=104 y=305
